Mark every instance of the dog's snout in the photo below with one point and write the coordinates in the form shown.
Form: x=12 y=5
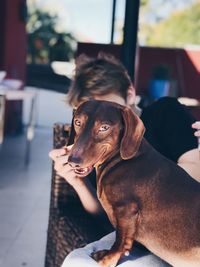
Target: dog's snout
x=74 y=161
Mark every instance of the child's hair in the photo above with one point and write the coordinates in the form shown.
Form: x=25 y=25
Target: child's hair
x=96 y=77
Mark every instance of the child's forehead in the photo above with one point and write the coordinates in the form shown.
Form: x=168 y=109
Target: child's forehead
x=109 y=96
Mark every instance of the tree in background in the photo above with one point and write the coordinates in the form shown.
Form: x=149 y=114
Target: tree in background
x=179 y=28
x=45 y=43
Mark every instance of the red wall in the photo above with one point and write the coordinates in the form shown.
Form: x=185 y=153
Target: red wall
x=191 y=72
x=2 y=30
x=13 y=39
x=185 y=66
x=13 y=54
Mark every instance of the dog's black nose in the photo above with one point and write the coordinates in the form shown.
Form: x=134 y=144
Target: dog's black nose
x=74 y=161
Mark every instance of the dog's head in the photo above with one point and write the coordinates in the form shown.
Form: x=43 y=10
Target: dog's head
x=100 y=129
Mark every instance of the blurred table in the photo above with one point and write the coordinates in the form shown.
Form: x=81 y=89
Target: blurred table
x=9 y=91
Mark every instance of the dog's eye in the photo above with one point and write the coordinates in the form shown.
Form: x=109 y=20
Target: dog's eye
x=104 y=128
x=77 y=122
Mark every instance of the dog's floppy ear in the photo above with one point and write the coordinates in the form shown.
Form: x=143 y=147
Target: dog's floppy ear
x=133 y=133
x=71 y=135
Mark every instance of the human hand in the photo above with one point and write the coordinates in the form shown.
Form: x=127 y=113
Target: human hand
x=196 y=126
x=60 y=158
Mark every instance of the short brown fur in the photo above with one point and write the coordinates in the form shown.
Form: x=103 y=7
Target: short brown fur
x=147 y=197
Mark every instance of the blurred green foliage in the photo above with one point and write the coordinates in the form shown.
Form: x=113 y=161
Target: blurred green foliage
x=179 y=29
x=45 y=43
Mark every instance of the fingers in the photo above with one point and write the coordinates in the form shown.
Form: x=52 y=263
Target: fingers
x=196 y=126
x=60 y=162
x=60 y=159
x=69 y=147
x=61 y=166
x=67 y=173
x=56 y=153
x=197 y=133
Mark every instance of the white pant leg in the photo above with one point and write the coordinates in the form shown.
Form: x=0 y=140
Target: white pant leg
x=81 y=257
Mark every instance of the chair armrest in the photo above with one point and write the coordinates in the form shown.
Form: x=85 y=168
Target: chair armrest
x=61 y=191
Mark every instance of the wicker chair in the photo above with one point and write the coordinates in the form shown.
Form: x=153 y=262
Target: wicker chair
x=70 y=226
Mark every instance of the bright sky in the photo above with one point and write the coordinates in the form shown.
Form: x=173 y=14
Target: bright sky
x=162 y=8
x=89 y=20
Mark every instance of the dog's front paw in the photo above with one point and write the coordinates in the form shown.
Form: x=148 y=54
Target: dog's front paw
x=106 y=258
x=98 y=255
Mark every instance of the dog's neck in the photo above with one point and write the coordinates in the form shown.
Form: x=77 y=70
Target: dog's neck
x=115 y=157
x=103 y=167
x=108 y=162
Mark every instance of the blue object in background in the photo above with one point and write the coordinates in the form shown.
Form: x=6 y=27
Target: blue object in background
x=159 y=88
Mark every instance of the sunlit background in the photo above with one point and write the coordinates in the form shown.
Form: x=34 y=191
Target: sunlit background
x=162 y=23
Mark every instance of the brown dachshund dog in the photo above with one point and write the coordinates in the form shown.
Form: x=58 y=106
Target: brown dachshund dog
x=147 y=197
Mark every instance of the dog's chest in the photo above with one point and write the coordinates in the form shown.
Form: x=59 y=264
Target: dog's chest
x=106 y=205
